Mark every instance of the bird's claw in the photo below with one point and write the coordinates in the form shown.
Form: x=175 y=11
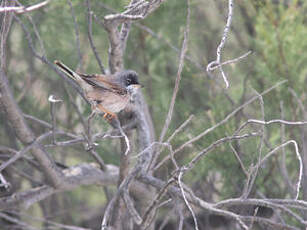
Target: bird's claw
x=109 y=116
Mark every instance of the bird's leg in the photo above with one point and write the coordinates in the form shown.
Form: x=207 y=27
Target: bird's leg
x=107 y=114
x=89 y=135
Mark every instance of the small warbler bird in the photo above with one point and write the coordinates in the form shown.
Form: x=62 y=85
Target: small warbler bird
x=108 y=94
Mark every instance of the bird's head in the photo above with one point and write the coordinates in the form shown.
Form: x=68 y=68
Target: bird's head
x=129 y=79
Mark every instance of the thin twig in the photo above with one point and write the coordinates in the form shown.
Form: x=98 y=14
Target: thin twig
x=178 y=78
x=72 y=101
x=77 y=33
x=119 y=127
x=239 y=159
x=26 y=176
x=215 y=145
x=124 y=185
x=89 y=132
x=150 y=147
x=185 y=199
x=230 y=61
x=44 y=60
x=54 y=225
x=299 y=101
x=124 y=32
x=37 y=120
x=16 y=221
x=98 y=159
x=154 y=204
x=90 y=35
x=181 y=127
x=35 y=29
x=254 y=171
x=167 y=143
x=183 y=50
x=283 y=167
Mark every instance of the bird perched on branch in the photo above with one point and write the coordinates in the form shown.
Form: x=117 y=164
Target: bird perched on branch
x=108 y=94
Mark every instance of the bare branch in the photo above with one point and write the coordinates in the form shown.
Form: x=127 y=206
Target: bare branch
x=213 y=67
x=122 y=18
x=157 y=36
x=283 y=168
x=135 y=11
x=130 y=206
x=222 y=44
x=52 y=223
x=3 y=182
x=204 y=133
x=278 y=121
x=17 y=221
x=53 y=102
x=117 y=39
x=34 y=144
x=22 y=9
x=197 y=201
x=38 y=121
x=153 y=206
x=300 y=176
x=83 y=174
x=107 y=214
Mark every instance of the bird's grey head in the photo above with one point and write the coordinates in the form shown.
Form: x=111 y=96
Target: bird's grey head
x=129 y=79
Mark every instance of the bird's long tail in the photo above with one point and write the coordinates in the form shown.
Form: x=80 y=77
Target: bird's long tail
x=73 y=75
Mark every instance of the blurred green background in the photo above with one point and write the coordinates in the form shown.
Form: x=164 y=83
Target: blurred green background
x=275 y=31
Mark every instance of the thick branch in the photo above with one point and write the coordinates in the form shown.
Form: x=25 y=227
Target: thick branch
x=84 y=174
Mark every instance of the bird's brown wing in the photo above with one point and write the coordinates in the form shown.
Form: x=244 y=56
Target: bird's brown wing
x=104 y=82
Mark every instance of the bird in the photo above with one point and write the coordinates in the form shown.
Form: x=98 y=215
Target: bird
x=107 y=94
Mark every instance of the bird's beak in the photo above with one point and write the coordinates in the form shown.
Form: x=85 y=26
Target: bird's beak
x=137 y=86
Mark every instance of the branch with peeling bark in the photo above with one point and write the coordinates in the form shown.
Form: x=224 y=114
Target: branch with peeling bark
x=23 y=9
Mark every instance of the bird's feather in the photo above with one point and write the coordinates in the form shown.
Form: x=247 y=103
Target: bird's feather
x=104 y=82
x=73 y=75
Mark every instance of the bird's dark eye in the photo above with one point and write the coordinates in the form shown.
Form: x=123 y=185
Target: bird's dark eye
x=128 y=81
